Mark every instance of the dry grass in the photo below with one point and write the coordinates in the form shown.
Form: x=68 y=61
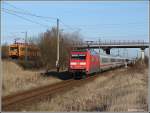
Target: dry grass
x=16 y=79
x=117 y=90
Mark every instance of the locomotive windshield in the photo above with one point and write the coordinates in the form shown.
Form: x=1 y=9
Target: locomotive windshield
x=13 y=48
x=78 y=56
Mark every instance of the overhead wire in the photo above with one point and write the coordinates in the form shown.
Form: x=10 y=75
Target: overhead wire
x=39 y=16
x=25 y=18
x=69 y=26
x=53 y=18
x=22 y=13
x=29 y=13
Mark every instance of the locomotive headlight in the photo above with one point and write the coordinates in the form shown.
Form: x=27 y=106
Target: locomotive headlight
x=82 y=63
x=73 y=63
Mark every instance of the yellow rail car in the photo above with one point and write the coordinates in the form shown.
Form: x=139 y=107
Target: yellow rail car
x=18 y=51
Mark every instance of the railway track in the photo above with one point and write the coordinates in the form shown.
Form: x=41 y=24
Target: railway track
x=36 y=93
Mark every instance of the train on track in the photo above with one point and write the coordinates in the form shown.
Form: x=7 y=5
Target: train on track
x=18 y=51
x=83 y=63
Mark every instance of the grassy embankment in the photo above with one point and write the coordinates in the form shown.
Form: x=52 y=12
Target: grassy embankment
x=17 y=79
x=117 y=90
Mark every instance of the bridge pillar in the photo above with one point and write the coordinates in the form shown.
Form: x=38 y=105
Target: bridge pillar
x=142 y=53
x=107 y=51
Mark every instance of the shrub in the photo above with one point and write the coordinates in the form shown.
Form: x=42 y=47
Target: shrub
x=4 y=51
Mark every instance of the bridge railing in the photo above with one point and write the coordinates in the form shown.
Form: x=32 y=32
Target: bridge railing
x=120 y=42
x=112 y=42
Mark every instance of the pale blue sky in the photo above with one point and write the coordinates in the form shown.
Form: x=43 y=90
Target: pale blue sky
x=113 y=20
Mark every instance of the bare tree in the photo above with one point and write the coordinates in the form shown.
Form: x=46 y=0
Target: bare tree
x=48 y=47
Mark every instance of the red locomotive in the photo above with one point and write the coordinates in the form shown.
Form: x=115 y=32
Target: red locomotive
x=85 y=62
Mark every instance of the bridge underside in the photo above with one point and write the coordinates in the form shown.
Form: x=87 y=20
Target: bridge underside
x=107 y=50
x=111 y=46
x=107 y=46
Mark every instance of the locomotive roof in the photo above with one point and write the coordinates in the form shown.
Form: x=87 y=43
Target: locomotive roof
x=85 y=50
x=23 y=44
x=79 y=50
x=82 y=50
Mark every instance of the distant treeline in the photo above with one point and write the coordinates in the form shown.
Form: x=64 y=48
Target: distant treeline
x=47 y=43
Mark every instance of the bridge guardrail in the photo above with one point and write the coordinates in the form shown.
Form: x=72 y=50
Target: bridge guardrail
x=112 y=43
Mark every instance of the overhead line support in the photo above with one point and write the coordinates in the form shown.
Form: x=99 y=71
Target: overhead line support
x=57 y=61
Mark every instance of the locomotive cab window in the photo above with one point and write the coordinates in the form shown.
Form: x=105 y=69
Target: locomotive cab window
x=13 y=48
x=78 y=57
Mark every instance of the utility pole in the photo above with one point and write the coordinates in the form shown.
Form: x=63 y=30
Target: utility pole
x=124 y=52
x=26 y=46
x=137 y=54
x=62 y=53
x=99 y=44
x=16 y=40
x=127 y=53
x=57 y=61
x=118 y=51
x=88 y=43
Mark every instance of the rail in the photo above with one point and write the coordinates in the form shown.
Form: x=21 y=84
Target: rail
x=10 y=100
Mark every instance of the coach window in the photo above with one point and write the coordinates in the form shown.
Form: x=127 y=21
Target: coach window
x=104 y=60
x=112 y=60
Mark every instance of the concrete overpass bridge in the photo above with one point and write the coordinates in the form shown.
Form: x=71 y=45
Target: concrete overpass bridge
x=108 y=45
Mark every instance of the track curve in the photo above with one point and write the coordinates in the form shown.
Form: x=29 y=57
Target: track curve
x=35 y=93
